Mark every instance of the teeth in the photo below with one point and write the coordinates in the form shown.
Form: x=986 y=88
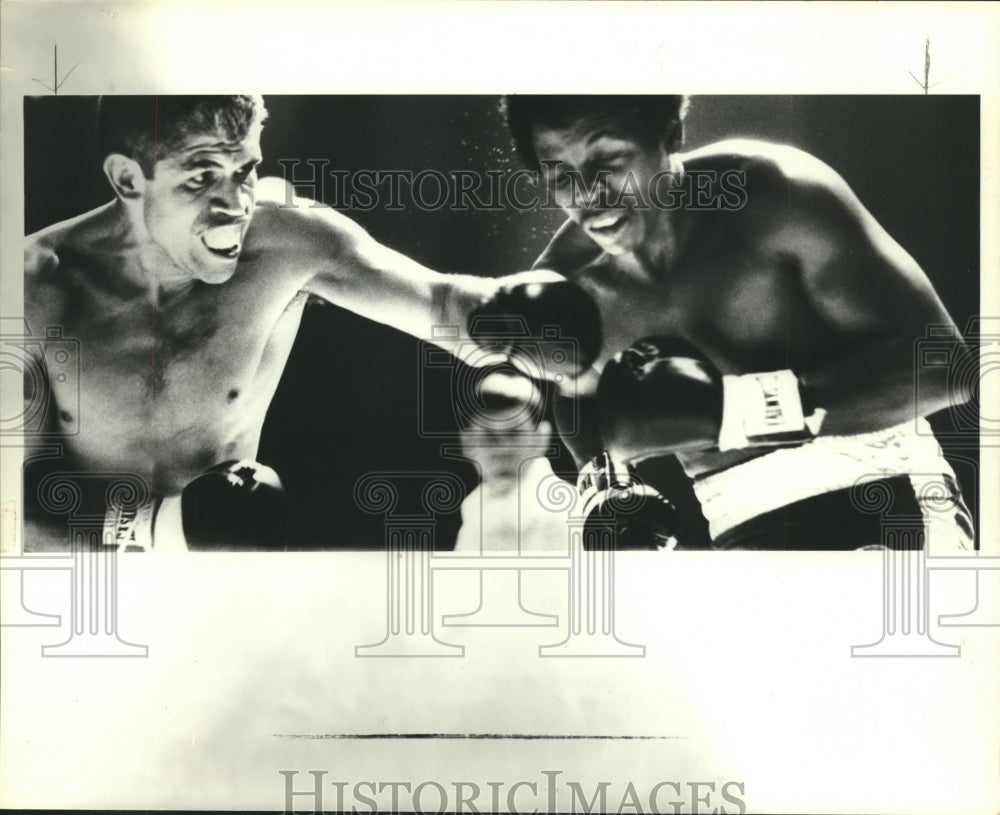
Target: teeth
x=604 y=221
x=222 y=238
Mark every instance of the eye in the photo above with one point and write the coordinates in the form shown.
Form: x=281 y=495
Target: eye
x=558 y=179
x=614 y=161
x=199 y=181
x=247 y=173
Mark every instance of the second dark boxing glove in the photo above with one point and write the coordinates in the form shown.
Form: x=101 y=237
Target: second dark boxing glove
x=552 y=326
x=621 y=511
x=662 y=396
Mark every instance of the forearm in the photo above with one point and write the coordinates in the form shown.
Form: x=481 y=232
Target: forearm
x=663 y=397
x=877 y=385
x=386 y=286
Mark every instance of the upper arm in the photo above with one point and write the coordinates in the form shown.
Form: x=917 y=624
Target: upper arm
x=328 y=251
x=40 y=266
x=41 y=309
x=856 y=276
x=341 y=263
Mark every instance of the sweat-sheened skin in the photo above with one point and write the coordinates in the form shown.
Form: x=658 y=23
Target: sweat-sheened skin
x=760 y=258
x=798 y=275
x=186 y=293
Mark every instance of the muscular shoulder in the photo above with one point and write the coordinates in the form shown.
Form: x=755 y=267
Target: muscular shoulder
x=47 y=270
x=760 y=158
x=299 y=226
x=43 y=249
x=768 y=170
x=793 y=200
x=41 y=259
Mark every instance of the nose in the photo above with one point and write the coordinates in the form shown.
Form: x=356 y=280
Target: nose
x=585 y=190
x=231 y=201
x=596 y=194
x=598 y=180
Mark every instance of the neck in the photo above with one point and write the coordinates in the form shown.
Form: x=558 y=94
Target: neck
x=145 y=264
x=658 y=253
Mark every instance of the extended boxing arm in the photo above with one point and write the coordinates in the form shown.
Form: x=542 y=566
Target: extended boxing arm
x=509 y=314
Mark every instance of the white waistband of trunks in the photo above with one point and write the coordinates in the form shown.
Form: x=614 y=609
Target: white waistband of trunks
x=827 y=463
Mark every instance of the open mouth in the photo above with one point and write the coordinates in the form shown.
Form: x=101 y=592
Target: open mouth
x=606 y=224
x=223 y=241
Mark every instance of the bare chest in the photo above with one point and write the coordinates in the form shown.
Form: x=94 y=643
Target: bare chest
x=739 y=308
x=181 y=385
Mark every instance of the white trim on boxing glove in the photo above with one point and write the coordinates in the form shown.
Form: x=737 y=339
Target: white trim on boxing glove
x=129 y=528
x=764 y=409
x=157 y=524
x=168 y=526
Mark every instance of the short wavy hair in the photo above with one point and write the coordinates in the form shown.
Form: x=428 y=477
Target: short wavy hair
x=148 y=128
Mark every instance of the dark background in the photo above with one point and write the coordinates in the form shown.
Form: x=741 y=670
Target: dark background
x=348 y=402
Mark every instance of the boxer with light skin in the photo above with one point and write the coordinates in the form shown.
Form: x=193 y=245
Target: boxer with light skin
x=797 y=278
x=186 y=292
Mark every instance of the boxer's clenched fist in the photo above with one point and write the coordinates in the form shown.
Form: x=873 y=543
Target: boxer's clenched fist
x=553 y=323
x=621 y=511
x=237 y=505
x=662 y=396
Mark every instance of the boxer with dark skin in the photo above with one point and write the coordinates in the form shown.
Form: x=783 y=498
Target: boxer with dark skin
x=186 y=291
x=757 y=255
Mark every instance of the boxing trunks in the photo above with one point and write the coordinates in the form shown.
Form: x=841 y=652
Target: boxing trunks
x=890 y=488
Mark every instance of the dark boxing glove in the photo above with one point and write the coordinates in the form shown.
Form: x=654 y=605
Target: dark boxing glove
x=553 y=326
x=237 y=505
x=662 y=396
x=622 y=512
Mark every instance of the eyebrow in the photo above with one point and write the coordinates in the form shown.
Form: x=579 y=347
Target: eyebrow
x=195 y=162
x=607 y=136
x=600 y=134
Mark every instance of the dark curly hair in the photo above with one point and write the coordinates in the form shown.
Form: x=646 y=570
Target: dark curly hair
x=652 y=114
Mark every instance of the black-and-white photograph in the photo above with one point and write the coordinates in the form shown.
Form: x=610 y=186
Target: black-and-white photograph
x=413 y=446
x=713 y=306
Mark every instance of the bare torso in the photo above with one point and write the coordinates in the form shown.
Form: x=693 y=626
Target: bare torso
x=171 y=383
x=734 y=288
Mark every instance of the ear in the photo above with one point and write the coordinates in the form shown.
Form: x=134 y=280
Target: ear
x=125 y=176
x=675 y=136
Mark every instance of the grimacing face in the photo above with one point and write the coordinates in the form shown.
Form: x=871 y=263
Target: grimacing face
x=198 y=205
x=603 y=149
